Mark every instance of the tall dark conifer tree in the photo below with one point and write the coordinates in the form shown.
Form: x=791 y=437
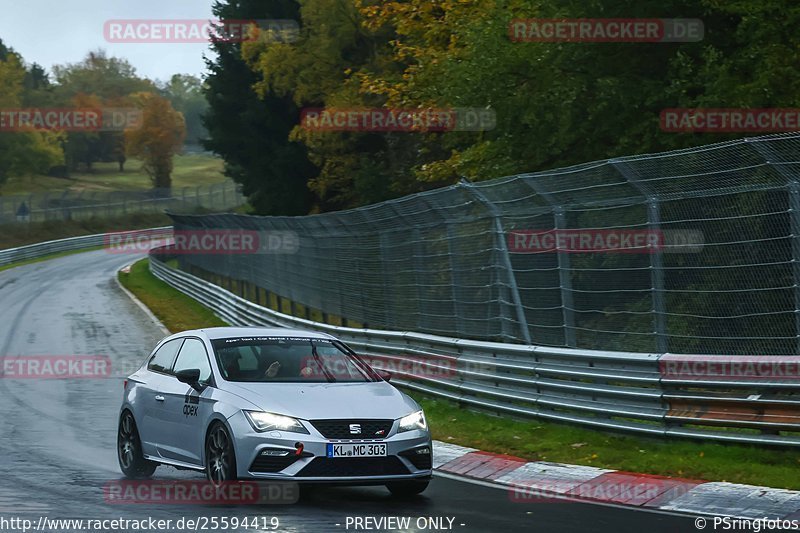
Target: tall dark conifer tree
x=249 y=132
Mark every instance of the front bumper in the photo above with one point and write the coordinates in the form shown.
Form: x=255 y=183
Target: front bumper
x=261 y=456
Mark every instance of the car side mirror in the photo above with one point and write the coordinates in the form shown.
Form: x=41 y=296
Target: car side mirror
x=190 y=376
x=385 y=375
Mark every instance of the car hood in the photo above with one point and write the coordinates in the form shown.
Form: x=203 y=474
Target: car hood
x=313 y=401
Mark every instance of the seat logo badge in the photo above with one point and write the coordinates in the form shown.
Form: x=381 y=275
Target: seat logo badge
x=355 y=429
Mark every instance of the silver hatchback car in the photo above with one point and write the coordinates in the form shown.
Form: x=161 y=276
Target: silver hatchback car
x=272 y=404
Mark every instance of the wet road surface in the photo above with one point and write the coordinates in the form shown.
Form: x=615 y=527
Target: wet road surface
x=57 y=437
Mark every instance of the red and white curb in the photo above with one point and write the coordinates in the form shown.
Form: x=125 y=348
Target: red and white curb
x=540 y=481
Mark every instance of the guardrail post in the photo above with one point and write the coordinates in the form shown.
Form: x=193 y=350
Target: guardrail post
x=656 y=256
x=502 y=246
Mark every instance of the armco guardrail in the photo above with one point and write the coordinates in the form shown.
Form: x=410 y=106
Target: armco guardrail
x=34 y=251
x=662 y=395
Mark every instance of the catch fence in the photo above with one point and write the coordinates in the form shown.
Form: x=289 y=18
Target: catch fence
x=690 y=251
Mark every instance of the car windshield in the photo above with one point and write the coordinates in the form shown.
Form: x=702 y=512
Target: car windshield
x=289 y=360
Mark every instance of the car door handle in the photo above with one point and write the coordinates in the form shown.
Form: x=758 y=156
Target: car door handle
x=159 y=398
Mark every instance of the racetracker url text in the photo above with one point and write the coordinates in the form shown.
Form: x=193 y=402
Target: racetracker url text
x=200 y=523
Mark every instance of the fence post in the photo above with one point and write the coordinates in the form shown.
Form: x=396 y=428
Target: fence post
x=794 y=207
x=455 y=281
x=390 y=316
x=656 y=256
x=418 y=269
x=793 y=192
x=564 y=266
x=565 y=281
x=504 y=255
x=454 y=278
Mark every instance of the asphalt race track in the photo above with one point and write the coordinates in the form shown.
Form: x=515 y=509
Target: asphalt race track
x=57 y=437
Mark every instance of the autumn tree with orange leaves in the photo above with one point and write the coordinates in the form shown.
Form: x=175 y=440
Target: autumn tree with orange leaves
x=158 y=138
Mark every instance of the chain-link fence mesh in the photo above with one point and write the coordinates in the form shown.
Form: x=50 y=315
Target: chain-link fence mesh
x=84 y=204
x=447 y=261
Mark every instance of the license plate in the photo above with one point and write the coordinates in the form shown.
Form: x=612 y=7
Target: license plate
x=356 y=450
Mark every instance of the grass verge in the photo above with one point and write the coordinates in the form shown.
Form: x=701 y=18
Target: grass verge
x=174 y=309
x=538 y=440
x=534 y=439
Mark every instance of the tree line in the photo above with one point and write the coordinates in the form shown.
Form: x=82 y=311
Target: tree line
x=556 y=104
x=170 y=114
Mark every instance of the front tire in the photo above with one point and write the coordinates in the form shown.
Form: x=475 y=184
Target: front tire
x=129 y=450
x=220 y=456
x=407 y=489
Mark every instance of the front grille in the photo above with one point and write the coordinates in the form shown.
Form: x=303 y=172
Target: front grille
x=271 y=464
x=420 y=461
x=354 y=466
x=340 y=429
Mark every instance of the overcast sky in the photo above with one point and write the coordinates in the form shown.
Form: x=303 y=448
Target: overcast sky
x=52 y=32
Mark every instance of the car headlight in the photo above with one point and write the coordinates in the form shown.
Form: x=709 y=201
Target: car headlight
x=413 y=421
x=262 y=421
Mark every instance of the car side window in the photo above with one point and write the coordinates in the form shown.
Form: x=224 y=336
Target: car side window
x=162 y=360
x=193 y=356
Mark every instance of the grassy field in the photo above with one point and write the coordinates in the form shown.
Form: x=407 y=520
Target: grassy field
x=535 y=439
x=190 y=171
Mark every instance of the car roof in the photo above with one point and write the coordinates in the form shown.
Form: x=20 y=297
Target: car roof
x=230 y=332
